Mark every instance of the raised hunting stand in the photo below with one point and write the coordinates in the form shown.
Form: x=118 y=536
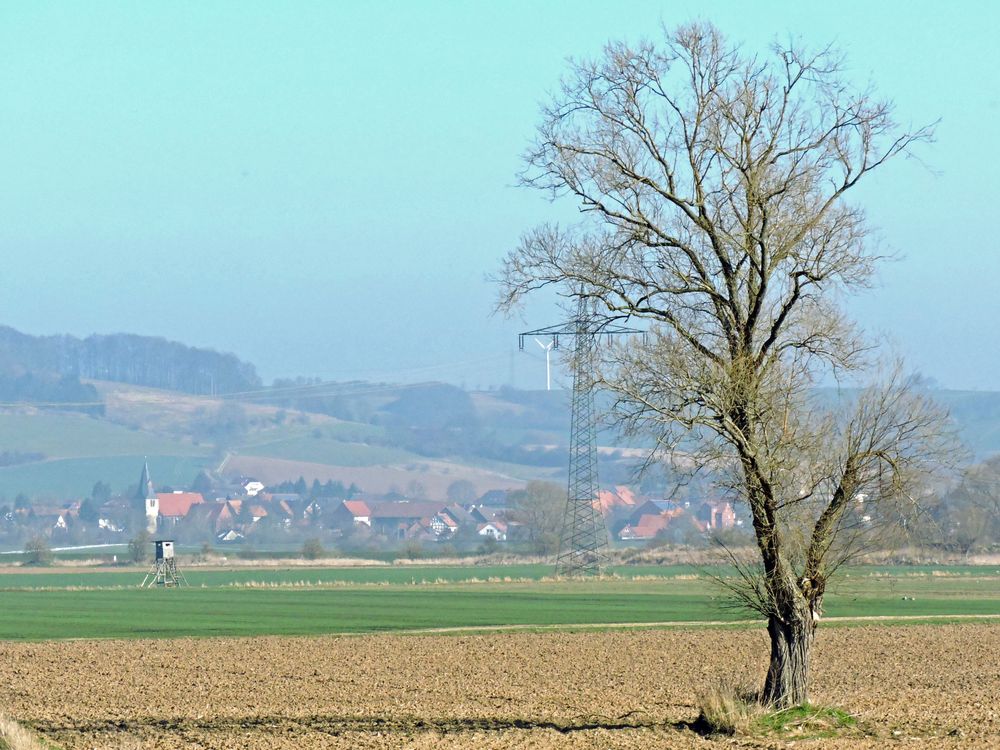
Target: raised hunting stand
x=164 y=571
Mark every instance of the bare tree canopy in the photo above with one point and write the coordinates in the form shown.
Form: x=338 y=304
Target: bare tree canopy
x=969 y=515
x=712 y=184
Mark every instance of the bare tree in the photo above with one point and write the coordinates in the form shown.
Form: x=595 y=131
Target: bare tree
x=462 y=491
x=970 y=513
x=539 y=507
x=712 y=184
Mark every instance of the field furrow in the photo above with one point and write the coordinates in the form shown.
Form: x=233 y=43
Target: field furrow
x=917 y=686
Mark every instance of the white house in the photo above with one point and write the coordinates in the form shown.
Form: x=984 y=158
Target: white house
x=252 y=487
x=495 y=529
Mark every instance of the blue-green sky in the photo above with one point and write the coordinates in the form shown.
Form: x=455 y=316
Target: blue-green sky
x=321 y=187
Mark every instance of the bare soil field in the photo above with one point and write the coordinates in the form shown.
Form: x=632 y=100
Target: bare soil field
x=913 y=687
x=434 y=476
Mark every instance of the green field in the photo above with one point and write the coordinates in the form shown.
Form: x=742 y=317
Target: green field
x=75 y=477
x=326 y=450
x=298 y=601
x=77 y=436
x=81 y=450
x=387 y=574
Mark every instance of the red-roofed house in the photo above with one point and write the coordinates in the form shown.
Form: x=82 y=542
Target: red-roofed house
x=215 y=516
x=443 y=524
x=609 y=501
x=647 y=527
x=392 y=519
x=58 y=519
x=717 y=515
x=360 y=511
x=351 y=513
x=256 y=512
x=420 y=531
x=284 y=509
x=173 y=506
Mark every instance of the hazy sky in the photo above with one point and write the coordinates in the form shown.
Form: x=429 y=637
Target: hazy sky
x=321 y=187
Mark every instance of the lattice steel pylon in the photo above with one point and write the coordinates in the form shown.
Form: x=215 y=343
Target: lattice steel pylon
x=583 y=542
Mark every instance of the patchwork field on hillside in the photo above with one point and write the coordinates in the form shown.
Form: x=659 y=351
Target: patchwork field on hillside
x=434 y=476
x=179 y=433
x=914 y=687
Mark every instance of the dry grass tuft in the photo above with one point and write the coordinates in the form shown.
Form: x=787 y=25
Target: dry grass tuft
x=736 y=710
x=725 y=708
x=16 y=737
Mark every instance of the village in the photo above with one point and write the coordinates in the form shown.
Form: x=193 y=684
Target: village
x=246 y=512
x=566 y=376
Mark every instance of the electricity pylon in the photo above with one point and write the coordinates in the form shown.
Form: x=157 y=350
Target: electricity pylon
x=583 y=542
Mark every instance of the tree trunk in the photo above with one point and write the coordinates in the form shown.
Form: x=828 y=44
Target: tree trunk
x=787 y=682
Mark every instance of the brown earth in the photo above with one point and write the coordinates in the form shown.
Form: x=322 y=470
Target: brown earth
x=434 y=476
x=172 y=411
x=912 y=687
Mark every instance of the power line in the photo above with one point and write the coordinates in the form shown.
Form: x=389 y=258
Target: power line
x=583 y=543
x=323 y=388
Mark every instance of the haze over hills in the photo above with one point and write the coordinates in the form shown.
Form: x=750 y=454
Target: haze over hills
x=57 y=453
x=81 y=410
x=124 y=358
x=62 y=429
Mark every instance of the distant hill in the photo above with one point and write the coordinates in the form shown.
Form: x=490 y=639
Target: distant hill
x=976 y=415
x=412 y=438
x=122 y=358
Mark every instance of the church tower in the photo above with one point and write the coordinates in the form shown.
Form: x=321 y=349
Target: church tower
x=147 y=495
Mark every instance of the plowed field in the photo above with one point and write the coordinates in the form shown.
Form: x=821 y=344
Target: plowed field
x=913 y=686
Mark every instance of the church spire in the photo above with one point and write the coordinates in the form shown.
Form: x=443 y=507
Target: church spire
x=146 y=489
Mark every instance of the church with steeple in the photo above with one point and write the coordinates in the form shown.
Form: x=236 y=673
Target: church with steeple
x=147 y=496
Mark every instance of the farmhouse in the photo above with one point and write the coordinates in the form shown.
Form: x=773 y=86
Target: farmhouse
x=654 y=508
x=496 y=498
x=56 y=519
x=215 y=516
x=486 y=513
x=647 y=526
x=283 y=510
x=252 y=487
x=420 y=531
x=619 y=499
x=174 y=506
x=443 y=524
x=715 y=515
x=459 y=515
x=647 y=520
x=495 y=529
x=393 y=518
x=350 y=514
x=403 y=519
x=288 y=499
x=250 y=512
x=255 y=511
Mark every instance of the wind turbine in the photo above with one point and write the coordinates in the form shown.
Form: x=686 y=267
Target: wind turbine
x=548 y=364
